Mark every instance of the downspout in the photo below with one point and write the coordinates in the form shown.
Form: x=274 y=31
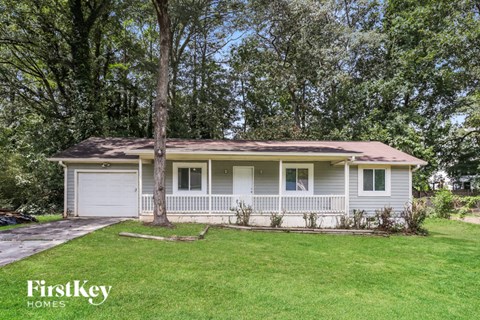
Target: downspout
x=65 y=185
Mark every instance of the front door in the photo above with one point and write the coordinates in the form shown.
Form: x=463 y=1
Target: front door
x=243 y=184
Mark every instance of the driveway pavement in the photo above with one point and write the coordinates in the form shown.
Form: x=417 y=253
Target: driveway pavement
x=22 y=242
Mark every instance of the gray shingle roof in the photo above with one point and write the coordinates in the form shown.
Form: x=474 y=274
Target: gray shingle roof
x=114 y=148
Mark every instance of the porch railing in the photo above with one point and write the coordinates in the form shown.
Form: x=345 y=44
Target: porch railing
x=290 y=204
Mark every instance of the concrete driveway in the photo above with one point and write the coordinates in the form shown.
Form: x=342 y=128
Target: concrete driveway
x=22 y=242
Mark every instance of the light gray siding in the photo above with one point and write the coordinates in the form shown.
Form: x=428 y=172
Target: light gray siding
x=147 y=176
x=400 y=193
x=71 y=167
x=265 y=176
x=328 y=179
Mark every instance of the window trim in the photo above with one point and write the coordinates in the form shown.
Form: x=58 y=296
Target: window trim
x=177 y=165
x=308 y=166
x=388 y=180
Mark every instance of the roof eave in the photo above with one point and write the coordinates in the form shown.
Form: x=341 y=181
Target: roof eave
x=245 y=153
x=93 y=160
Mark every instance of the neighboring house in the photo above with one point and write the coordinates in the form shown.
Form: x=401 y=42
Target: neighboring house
x=466 y=183
x=206 y=178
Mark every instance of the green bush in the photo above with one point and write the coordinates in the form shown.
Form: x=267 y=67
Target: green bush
x=443 y=203
x=471 y=202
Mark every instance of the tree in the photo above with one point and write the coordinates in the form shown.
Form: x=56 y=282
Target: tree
x=161 y=115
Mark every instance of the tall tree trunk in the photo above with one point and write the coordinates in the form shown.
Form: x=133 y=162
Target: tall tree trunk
x=161 y=113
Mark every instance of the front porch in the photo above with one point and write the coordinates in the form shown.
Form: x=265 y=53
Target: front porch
x=260 y=204
x=209 y=187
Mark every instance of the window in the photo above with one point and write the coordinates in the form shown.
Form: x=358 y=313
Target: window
x=190 y=178
x=298 y=178
x=373 y=181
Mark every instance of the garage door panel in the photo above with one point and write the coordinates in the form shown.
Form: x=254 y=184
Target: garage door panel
x=107 y=194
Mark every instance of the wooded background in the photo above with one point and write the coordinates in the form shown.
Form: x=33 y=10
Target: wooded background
x=404 y=72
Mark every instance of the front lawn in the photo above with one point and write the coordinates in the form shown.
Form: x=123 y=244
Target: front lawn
x=253 y=275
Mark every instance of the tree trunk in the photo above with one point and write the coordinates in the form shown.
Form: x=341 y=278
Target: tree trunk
x=160 y=118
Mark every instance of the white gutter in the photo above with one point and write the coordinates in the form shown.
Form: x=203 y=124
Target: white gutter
x=65 y=186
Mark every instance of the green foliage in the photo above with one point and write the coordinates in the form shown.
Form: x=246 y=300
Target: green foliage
x=471 y=202
x=276 y=219
x=392 y=71
x=443 y=203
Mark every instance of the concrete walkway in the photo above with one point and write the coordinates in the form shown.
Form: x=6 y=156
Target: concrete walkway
x=22 y=242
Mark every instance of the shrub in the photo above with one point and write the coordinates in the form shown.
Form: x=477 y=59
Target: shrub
x=385 y=219
x=276 y=219
x=472 y=202
x=463 y=212
x=243 y=213
x=359 y=219
x=310 y=220
x=414 y=215
x=443 y=203
x=345 y=223
x=370 y=221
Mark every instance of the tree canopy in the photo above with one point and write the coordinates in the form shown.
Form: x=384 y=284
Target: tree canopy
x=404 y=72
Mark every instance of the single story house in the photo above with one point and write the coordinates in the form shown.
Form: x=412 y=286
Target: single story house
x=205 y=179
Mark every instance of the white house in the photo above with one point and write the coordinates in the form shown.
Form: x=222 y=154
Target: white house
x=206 y=178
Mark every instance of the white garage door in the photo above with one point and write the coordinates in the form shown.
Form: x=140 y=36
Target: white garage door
x=107 y=194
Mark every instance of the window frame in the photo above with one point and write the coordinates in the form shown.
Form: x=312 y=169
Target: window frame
x=308 y=166
x=374 y=193
x=189 y=165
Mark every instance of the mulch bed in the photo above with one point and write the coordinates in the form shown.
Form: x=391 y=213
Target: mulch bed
x=306 y=230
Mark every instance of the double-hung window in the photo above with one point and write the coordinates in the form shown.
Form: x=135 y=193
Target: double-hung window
x=373 y=181
x=298 y=178
x=190 y=178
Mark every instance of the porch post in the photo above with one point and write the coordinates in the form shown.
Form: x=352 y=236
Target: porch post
x=347 y=187
x=280 y=172
x=140 y=183
x=209 y=186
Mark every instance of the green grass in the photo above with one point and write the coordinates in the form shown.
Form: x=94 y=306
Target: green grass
x=253 y=275
x=41 y=219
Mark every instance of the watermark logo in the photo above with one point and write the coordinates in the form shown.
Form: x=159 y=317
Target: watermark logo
x=95 y=295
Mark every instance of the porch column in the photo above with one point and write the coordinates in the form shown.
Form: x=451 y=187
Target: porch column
x=209 y=186
x=280 y=172
x=347 y=187
x=140 y=183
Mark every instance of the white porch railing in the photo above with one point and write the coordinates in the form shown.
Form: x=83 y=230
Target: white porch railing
x=322 y=204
